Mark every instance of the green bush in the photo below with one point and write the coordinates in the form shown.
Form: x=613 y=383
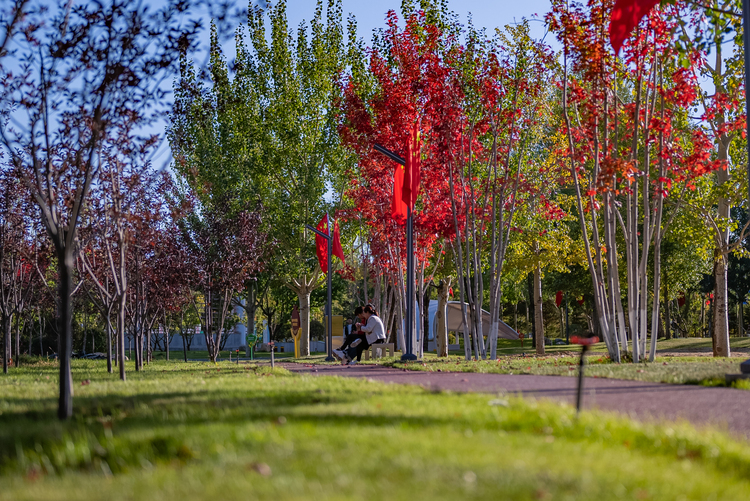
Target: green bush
x=317 y=330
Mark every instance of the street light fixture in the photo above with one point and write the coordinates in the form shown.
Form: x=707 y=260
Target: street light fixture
x=408 y=350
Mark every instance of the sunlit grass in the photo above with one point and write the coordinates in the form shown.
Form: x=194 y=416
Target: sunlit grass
x=674 y=370
x=207 y=431
x=687 y=364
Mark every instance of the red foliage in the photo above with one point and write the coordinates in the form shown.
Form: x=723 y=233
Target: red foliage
x=411 y=78
x=605 y=128
x=421 y=79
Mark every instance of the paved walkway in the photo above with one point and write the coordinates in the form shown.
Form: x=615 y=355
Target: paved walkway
x=725 y=408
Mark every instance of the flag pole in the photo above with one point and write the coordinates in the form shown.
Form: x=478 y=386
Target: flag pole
x=329 y=349
x=328 y=238
x=409 y=352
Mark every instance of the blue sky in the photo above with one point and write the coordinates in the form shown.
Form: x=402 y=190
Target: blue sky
x=487 y=13
x=371 y=15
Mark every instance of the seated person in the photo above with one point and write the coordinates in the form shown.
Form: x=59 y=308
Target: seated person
x=374 y=333
x=354 y=333
x=348 y=326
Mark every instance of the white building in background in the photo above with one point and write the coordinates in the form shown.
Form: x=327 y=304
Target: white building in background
x=234 y=339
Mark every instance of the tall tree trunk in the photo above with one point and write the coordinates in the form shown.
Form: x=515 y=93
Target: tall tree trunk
x=656 y=303
x=721 y=315
x=441 y=336
x=250 y=309
x=31 y=336
x=116 y=338
x=303 y=287
x=184 y=337
x=65 y=311
x=377 y=293
x=720 y=332
x=538 y=318
x=109 y=339
x=138 y=352
x=304 y=317
x=419 y=302
x=41 y=335
x=17 y=359
x=530 y=305
x=6 y=341
x=166 y=336
x=365 y=287
x=121 y=335
x=425 y=309
x=668 y=311
x=742 y=320
x=149 y=349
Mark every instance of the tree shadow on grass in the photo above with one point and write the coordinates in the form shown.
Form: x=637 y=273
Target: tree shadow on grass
x=91 y=374
x=98 y=418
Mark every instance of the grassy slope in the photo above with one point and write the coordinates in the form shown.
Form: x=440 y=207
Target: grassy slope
x=218 y=431
x=177 y=355
x=674 y=370
x=685 y=345
x=691 y=366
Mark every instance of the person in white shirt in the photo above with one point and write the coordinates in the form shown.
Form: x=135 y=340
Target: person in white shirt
x=374 y=333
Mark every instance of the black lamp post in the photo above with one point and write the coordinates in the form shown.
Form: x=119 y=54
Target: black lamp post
x=408 y=349
x=329 y=309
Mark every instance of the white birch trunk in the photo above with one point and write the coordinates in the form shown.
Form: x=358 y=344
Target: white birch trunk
x=441 y=336
x=721 y=315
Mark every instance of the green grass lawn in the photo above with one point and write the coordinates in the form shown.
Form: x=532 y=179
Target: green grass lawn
x=686 y=364
x=670 y=369
x=205 y=431
x=674 y=370
x=177 y=355
x=700 y=344
x=685 y=345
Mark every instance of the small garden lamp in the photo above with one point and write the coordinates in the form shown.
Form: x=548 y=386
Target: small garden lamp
x=585 y=343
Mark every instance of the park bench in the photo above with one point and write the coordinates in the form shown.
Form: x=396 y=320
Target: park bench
x=379 y=348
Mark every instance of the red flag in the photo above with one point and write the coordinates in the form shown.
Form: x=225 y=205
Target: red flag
x=558 y=298
x=412 y=174
x=321 y=244
x=398 y=207
x=337 y=250
x=626 y=14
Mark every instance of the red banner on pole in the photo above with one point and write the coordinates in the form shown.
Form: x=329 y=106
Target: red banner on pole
x=338 y=251
x=398 y=207
x=412 y=174
x=626 y=14
x=321 y=244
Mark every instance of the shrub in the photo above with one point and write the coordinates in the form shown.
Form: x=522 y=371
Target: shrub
x=317 y=330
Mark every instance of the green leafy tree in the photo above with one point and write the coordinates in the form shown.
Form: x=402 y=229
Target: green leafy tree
x=266 y=130
x=727 y=187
